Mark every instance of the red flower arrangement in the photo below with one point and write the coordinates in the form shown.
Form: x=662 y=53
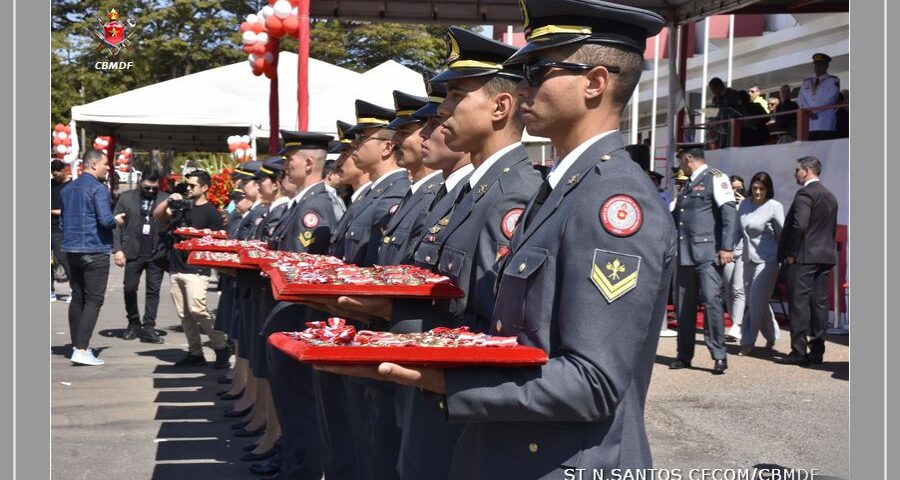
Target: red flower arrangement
x=220 y=188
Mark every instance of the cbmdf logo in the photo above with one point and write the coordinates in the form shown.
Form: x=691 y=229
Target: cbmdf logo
x=115 y=37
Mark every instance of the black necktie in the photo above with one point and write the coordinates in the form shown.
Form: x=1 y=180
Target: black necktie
x=441 y=193
x=539 y=200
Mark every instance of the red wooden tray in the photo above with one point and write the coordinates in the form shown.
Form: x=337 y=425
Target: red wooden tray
x=191 y=246
x=281 y=287
x=518 y=356
x=244 y=255
x=187 y=233
x=201 y=262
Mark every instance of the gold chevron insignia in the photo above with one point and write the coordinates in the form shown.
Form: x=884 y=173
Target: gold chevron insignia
x=618 y=276
x=454 y=49
x=306 y=239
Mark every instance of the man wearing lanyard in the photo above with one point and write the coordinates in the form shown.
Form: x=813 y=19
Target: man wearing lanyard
x=137 y=247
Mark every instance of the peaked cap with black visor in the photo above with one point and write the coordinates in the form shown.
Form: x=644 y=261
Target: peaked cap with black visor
x=344 y=139
x=246 y=170
x=270 y=168
x=437 y=92
x=473 y=55
x=405 y=106
x=369 y=115
x=554 y=23
x=294 y=140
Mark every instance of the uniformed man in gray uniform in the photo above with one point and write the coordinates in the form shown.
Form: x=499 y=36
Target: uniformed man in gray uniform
x=306 y=227
x=480 y=117
x=585 y=278
x=705 y=213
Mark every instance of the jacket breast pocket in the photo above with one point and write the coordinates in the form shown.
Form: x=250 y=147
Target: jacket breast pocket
x=451 y=264
x=525 y=291
x=426 y=256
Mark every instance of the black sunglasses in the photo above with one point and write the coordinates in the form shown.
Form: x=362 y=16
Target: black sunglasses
x=150 y=189
x=536 y=70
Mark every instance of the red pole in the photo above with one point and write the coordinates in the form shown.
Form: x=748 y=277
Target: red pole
x=274 y=144
x=682 y=77
x=303 y=67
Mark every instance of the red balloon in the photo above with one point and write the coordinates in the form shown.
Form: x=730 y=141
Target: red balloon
x=245 y=26
x=67 y=141
x=272 y=2
x=248 y=49
x=274 y=27
x=256 y=27
x=58 y=127
x=291 y=25
x=233 y=146
x=269 y=73
x=259 y=63
x=259 y=49
x=56 y=141
x=257 y=72
x=67 y=129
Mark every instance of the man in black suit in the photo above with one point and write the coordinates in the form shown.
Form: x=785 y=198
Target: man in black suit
x=137 y=247
x=807 y=246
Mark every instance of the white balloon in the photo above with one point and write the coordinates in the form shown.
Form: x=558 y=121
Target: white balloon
x=251 y=58
x=295 y=11
x=245 y=139
x=268 y=57
x=239 y=153
x=252 y=18
x=262 y=37
x=282 y=9
x=61 y=148
x=62 y=135
x=128 y=150
x=266 y=12
x=249 y=37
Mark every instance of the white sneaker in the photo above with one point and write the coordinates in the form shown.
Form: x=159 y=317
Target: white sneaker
x=53 y=297
x=735 y=331
x=667 y=333
x=69 y=299
x=85 y=357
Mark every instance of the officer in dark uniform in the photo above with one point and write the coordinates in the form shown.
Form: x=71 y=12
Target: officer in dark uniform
x=481 y=118
x=407 y=220
x=706 y=215
x=304 y=227
x=585 y=277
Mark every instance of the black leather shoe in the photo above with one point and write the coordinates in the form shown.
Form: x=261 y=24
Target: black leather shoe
x=679 y=364
x=224 y=380
x=240 y=425
x=255 y=457
x=191 y=360
x=229 y=396
x=222 y=357
x=794 y=359
x=720 y=367
x=249 y=448
x=814 y=358
x=232 y=413
x=130 y=333
x=267 y=468
x=250 y=433
x=148 y=335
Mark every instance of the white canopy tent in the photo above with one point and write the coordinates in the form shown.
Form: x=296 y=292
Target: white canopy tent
x=198 y=112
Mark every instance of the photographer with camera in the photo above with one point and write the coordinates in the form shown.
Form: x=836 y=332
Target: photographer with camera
x=137 y=246
x=189 y=282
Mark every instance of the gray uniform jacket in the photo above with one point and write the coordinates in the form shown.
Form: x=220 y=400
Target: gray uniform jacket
x=594 y=301
x=340 y=231
x=470 y=243
x=366 y=228
x=251 y=221
x=307 y=225
x=704 y=227
x=406 y=224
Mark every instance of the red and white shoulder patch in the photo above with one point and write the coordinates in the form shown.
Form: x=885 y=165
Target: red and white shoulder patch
x=310 y=220
x=510 y=220
x=621 y=215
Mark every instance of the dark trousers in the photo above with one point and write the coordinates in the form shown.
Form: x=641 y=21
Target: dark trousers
x=89 y=274
x=156 y=270
x=701 y=283
x=808 y=291
x=58 y=255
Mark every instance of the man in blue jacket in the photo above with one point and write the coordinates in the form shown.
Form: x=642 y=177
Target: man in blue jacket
x=87 y=228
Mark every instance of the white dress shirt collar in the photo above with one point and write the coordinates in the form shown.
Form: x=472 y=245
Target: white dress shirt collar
x=484 y=167
x=698 y=171
x=415 y=187
x=454 y=178
x=811 y=180
x=559 y=169
x=388 y=174
x=358 y=191
x=278 y=201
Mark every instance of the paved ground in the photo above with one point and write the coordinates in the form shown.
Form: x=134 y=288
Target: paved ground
x=137 y=418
